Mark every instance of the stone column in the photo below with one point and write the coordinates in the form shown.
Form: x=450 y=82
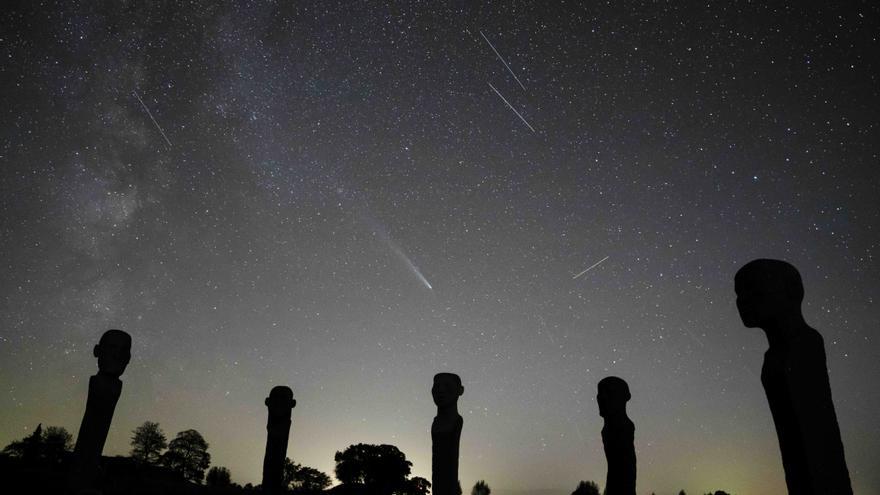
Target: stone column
x=280 y=404
x=617 y=436
x=113 y=352
x=446 y=434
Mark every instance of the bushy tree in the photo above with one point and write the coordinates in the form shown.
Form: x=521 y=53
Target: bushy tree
x=417 y=486
x=304 y=479
x=28 y=447
x=586 y=488
x=383 y=469
x=49 y=445
x=147 y=442
x=218 y=476
x=188 y=455
x=58 y=437
x=56 y=442
x=481 y=488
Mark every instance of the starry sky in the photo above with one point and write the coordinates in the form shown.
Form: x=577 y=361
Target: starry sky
x=348 y=197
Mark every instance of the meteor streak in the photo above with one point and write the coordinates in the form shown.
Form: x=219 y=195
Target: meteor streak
x=502 y=60
x=511 y=107
x=151 y=117
x=594 y=265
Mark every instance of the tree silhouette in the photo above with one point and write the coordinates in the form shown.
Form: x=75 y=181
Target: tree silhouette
x=586 y=488
x=56 y=442
x=28 y=447
x=218 y=476
x=481 y=488
x=188 y=455
x=303 y=479
x=147 y=442
x=50 y=445
x=417 y=486
x=382 y=469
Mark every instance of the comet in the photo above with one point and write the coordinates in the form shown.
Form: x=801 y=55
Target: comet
x=382 y=234
x=412 y=266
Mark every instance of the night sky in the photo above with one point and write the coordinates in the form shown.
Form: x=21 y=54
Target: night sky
x=349 y=198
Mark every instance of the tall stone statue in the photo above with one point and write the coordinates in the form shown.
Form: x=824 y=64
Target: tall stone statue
x=446 y=434
x=795 y=378
x=280 y=404
x=113 y=352
x=617 y=436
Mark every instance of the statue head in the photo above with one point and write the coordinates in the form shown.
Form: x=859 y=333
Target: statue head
x=447 y=389
x=613 y=396
x=767 y=292
x=280 y=399
x=113 y=352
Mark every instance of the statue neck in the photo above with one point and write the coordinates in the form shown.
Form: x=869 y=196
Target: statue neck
x=107 y=377
x=450 y=410
x=616 y=415
x=784 y=329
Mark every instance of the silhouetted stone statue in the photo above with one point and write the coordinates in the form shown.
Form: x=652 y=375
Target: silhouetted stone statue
x=446 y=434
x=113 y=352
x=617 y=436
x=769 y=295
x=280 y=404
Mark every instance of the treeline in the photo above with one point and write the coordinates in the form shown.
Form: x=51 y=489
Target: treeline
x=592 y=488
x=39 y=462
x=583 y=488
x=183 y=465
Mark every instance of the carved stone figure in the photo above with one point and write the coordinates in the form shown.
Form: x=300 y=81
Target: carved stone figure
x=446 y=434
x=280 y=404
x=113 y=352
x=795 y=378
x=617 y=436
